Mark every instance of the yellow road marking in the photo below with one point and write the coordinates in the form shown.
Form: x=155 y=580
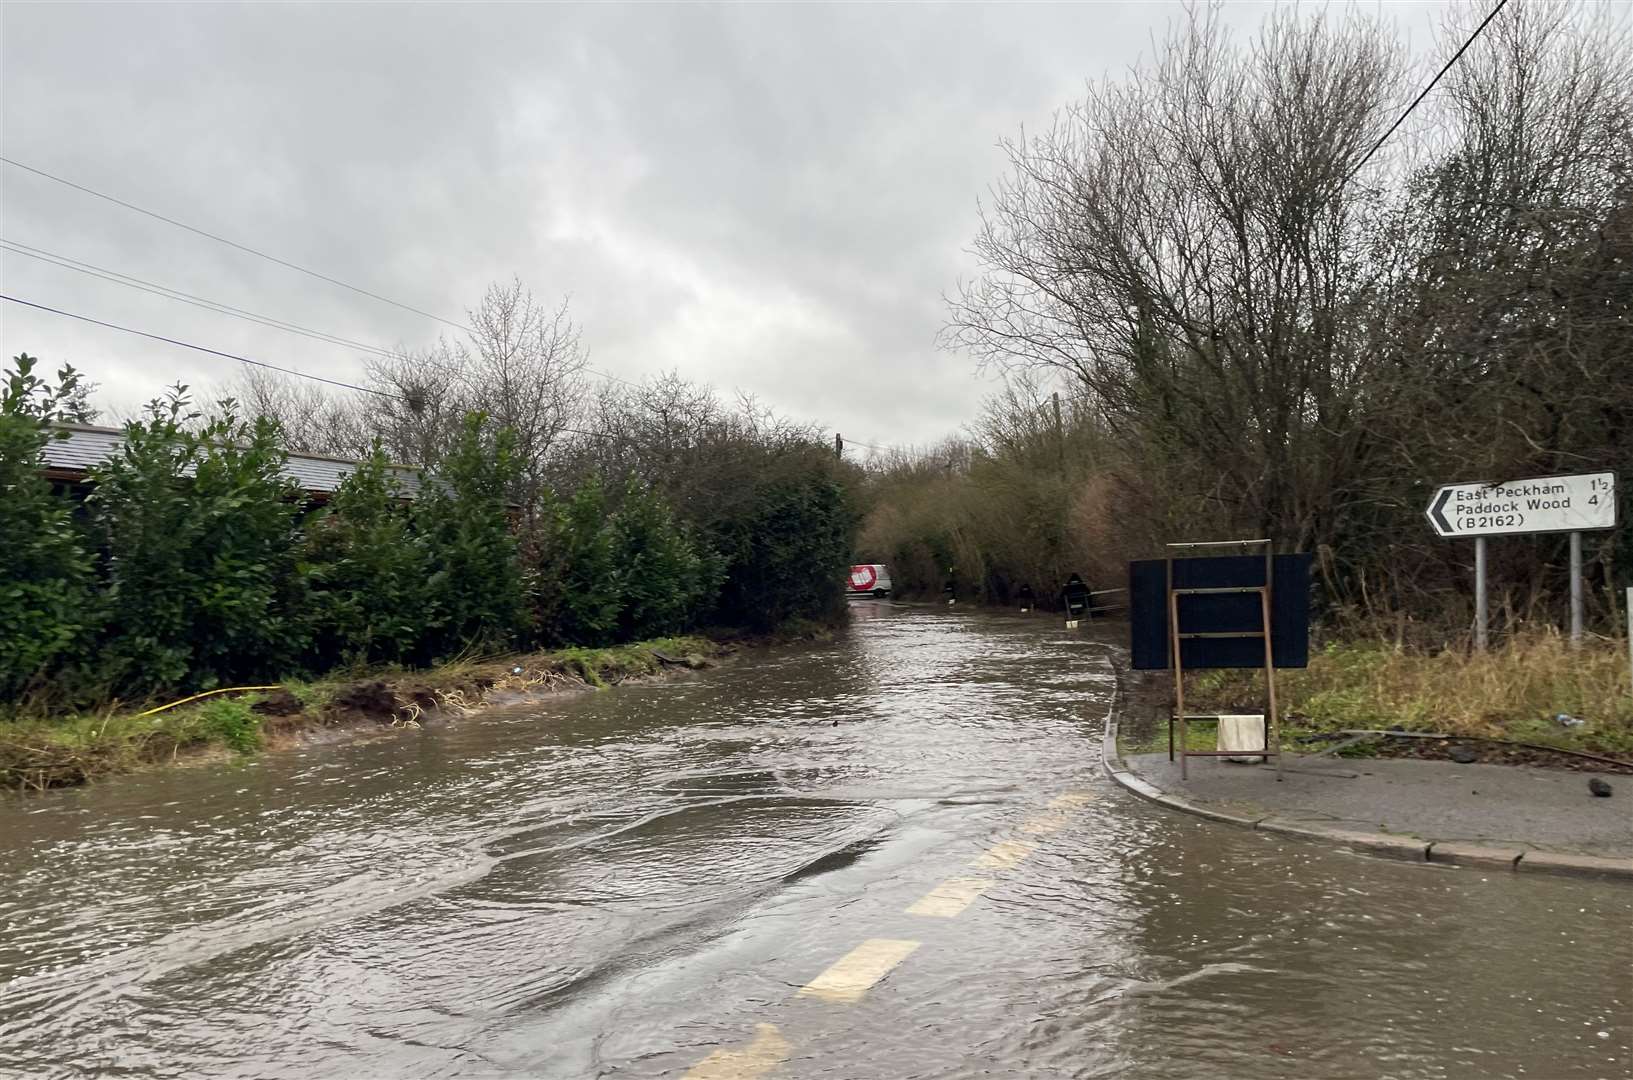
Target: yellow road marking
x=951 y=897
x=768 y=1050
x=1043 y=824
x=854 y=973
x=1004 y=855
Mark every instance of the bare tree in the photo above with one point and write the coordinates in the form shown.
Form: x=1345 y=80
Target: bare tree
x=424 y=402
x=521 y=363
x=525 y=366
x=1272 y=338
x=314 y=420
x=1505 y=328
x=1177 y=245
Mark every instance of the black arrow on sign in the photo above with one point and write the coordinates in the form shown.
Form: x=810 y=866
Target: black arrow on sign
x=1439 y=518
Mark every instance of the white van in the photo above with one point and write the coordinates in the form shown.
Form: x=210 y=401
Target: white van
x=868 y=580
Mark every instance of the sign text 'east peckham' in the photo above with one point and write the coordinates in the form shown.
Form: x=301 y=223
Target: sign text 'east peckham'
x=1543 y=504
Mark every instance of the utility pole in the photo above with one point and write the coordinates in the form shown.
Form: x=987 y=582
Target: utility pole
x=839 y=446
x=1060 y=435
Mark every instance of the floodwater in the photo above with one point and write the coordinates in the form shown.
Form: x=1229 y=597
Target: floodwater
x=663 y=879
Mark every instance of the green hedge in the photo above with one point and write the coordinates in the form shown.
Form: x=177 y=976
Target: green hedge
x=47 y=605
x=195 y=563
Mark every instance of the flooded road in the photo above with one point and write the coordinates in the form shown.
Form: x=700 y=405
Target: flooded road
x=891 y=856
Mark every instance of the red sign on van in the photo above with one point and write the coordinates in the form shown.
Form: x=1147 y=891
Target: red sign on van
x=863 y=577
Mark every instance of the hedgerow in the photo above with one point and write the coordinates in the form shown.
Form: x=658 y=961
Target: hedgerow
x=194 y=562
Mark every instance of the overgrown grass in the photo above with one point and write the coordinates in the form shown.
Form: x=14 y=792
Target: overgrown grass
x=311 y=695
x=1514 y=691
x=615 y=663
x=1198 y=737
x=231 y=722
x=40 y=753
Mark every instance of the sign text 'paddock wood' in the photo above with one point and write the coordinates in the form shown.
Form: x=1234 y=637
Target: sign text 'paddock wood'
x=1544 y=504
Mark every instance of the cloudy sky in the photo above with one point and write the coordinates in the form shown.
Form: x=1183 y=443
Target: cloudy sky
x=771 y=198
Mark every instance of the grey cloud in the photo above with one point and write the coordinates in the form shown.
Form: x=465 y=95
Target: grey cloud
x=770 y=197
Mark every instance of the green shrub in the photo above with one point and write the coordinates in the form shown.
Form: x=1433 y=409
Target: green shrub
x=787 y=546
x=232 y=722
x=586 y=557
x=668 y=579
x=598 y=576
x=198 y=528
x=191 y=564
x=366 y=572
x=46 y=602
x=473 y=591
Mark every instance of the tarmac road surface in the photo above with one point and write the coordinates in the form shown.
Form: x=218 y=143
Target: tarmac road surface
x=890 y=856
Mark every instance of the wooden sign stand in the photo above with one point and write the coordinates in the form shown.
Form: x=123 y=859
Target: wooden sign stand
x=1272 y=741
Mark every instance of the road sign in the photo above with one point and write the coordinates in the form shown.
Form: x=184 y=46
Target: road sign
x=1542 y=504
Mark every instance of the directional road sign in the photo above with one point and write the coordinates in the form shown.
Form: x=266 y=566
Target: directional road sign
x=1542 y=504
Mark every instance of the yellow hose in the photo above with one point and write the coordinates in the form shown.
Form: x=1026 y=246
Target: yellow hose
x=207 y=693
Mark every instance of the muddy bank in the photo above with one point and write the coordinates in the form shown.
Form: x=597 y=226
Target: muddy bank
x=38 y=754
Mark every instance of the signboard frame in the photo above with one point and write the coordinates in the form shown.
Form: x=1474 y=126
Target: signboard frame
x=1217 y=611
x=1150 y=642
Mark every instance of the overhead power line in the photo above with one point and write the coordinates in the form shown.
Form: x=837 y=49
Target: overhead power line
x=195 y=348
x=131 y=281
x=285 y=370
x=231 y=243
x=259 y=363
x=455 y=324
x=169 y=293
x=858 y=442
x=1425 y=93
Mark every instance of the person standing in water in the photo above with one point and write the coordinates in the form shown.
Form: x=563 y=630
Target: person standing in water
x=1075 y=594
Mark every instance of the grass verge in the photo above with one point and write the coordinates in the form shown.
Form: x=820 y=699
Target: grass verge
x=39 y=752
x=1517 y=691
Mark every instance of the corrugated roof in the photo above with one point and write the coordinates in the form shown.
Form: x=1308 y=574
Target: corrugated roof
x=84 y=447
x=87 y=446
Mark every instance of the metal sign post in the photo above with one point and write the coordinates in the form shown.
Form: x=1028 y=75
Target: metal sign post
x=1541 y=504
x=1576 y=590
x=1480 y=593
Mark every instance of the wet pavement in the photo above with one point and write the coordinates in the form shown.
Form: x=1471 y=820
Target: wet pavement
x=891 y=856
x=1522 y=808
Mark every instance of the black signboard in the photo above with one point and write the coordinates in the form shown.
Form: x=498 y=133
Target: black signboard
x=1215 y=613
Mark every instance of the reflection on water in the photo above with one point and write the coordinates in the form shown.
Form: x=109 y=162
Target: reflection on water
x=617 y=883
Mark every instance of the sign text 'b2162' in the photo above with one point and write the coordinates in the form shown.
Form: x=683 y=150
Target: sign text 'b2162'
x=1542 y=504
